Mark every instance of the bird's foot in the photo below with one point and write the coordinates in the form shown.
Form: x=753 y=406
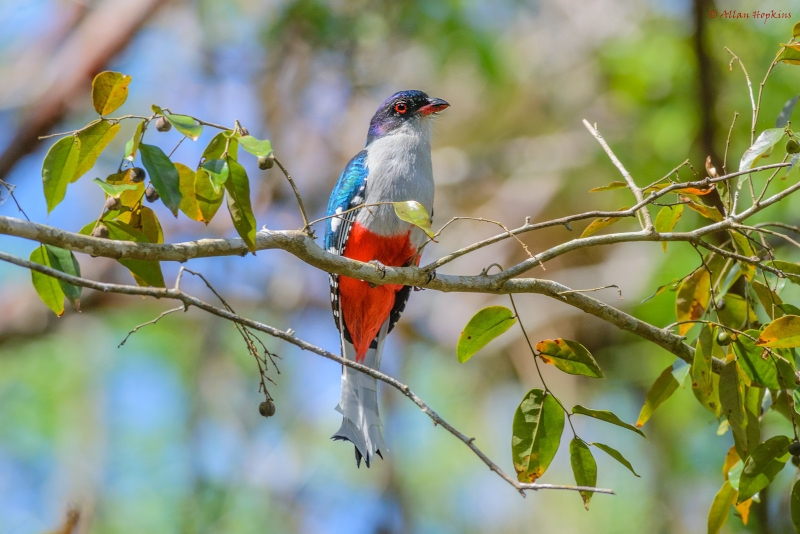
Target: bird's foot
x=431 y=276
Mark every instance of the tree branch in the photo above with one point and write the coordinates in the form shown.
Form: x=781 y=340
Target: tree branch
x=188 y=300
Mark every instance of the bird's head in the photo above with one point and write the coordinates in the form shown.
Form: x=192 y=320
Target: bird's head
x=411 y=109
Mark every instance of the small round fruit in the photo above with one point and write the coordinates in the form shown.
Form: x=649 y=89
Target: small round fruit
x=266 y=163
x=150 y=193
x=101 y=230
x=267 y=408
x=724 y=338
x=792 y=146
x=794 y=448
x=720 y=304
x=163 y=125
x=112 y=203
x=137 y=175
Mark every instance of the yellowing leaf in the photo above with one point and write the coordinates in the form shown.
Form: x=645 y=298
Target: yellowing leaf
x=720 y=508
x=93 y=141
x=47 y=287
x=667 y=218
x=790 y=54
x=415 y=213
x=483 y=327
x=58 y=169
x=109 y=91
x=186 y=184
x=568 y=356
x=706 y=211
x=694 y=295
x=610 y=187
x=536 y=434
x=132 y=146
x=782 y=333
x=662 y=389
x=598 y=224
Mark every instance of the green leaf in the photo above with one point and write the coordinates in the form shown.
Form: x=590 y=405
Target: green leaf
x=759 y=370
x=610 y=187
x=709 y=401
x=536 y=434
x=484 y=326
x=615 y=454
x=790 y=54
x=59 y=168
x=742 y=245
x=64 y=261
x=662 y=389
x=93 y=141
x=109 y=91
x=667 y=218
x=720 y=508
x=163 y=176
x=186 y=183
x=216 y=147
x=598 y=224
x=701 y=367
x=584 y=468
x=791 y=270
x=129 y=197
x=786 y=113
x=218 y=171
x=680 y=370
x=782 y=333
x=114 y=190
x=132 y=146
x=258 y=148
x=47 y=287
x=761 y=467
x=693 y=298
x=605 y=415
x=238 y=188
x=185 y=125
x=568 y=356
x=766 y=140
x=736 y=311
x=415 y=213
x=795 y=498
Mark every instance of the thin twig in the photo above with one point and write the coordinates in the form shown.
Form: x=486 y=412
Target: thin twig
x=593 y=289
x=750 y=91
x=637 y=192
x=153 y=321
x=306 y=227
x=728 y=145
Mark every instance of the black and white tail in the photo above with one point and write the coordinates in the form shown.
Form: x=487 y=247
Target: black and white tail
x=358 y=404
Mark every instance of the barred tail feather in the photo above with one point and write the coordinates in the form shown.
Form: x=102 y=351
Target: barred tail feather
x=358 y=404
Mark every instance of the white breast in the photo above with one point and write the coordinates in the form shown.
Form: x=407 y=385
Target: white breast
x=399 y=168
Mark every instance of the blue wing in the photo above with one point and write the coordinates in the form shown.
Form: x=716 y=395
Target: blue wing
x=348 y=193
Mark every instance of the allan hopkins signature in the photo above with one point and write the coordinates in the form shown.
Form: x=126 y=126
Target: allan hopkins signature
x=758 y=15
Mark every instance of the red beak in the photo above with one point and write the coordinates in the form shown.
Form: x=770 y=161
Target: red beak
x=434 y=105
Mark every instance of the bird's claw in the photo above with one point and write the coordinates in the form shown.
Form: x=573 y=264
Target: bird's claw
x=431 y=276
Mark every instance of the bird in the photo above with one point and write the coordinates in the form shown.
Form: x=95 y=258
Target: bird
x=395 y=165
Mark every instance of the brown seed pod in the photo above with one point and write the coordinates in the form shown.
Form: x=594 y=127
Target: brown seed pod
x=163 y=125
x=150 y=193
x=244 y=131
x=266 y=163
x=267 y=408
x=112 y=203
x=101 y=230
x=138 y=175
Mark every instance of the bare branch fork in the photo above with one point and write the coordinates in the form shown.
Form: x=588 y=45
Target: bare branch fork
x=187 y=300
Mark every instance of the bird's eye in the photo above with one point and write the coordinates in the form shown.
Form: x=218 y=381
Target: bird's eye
x=401 y=107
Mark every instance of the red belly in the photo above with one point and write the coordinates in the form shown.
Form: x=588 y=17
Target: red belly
x=366 y=308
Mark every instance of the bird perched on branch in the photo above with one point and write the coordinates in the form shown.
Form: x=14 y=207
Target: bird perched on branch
x=394 y=166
